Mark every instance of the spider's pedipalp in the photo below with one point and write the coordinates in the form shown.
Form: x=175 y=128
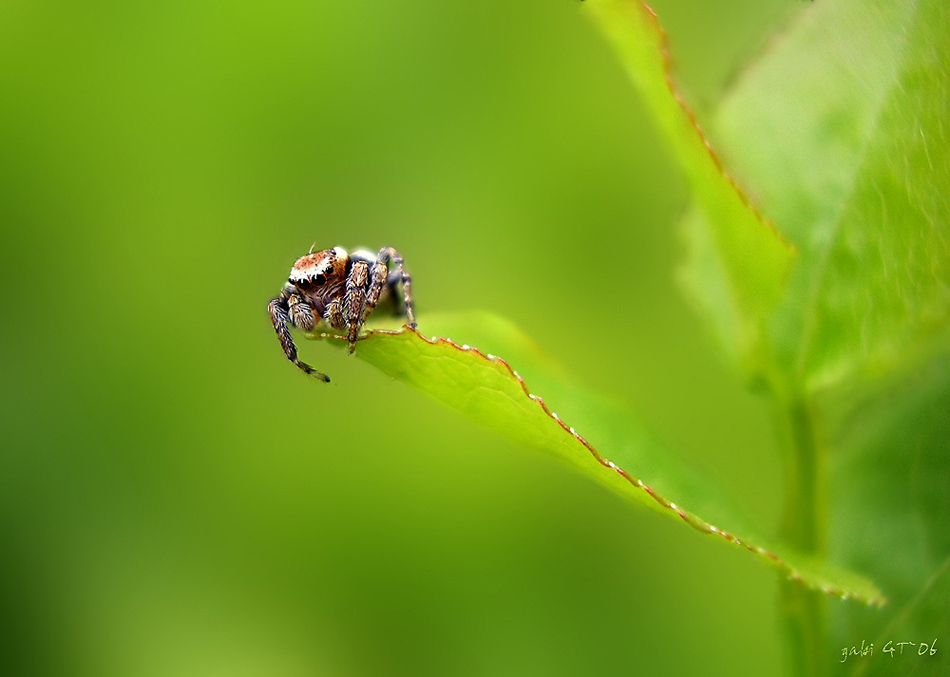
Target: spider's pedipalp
x=334 y=314
x=301 y=313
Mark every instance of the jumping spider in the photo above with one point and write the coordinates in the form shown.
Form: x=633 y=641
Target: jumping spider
x=341 y=289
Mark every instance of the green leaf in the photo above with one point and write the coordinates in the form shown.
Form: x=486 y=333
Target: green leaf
x=745 y=279
x=843 y=136
x=517 y=396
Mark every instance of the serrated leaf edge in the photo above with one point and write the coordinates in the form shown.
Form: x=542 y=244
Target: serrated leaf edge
x=691 y=519
x=666 y=54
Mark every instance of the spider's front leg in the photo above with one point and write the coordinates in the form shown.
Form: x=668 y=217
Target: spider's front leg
x=354 y=302
x=283 y=310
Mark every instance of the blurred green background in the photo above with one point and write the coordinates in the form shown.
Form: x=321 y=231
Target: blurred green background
x=176 y=499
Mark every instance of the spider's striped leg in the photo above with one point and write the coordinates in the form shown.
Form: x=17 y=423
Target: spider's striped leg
x=354 y=301
x=279 y=316
x=381 y=278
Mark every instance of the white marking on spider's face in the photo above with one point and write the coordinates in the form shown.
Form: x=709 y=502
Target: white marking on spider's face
x=310 y=270
x=308 y=267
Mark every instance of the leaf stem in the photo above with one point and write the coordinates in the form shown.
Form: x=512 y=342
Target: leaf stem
x=803 y=523
x=803 y=527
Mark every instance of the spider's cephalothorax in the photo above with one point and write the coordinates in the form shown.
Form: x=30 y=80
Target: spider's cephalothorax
x=341 y=289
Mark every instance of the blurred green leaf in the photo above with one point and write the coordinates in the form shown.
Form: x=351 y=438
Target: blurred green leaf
x=744 y=282
x=607 y=444
x=842 y=134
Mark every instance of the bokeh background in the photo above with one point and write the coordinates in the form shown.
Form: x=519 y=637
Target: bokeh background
x=176 y=499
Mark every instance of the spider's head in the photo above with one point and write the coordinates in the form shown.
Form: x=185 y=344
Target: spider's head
x=314 y=271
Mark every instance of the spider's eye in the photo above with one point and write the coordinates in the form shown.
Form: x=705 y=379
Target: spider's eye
x=301 y=284
x=319 y=279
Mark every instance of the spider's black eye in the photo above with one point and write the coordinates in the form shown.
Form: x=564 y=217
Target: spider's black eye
x=319 y=279
x=301 y=284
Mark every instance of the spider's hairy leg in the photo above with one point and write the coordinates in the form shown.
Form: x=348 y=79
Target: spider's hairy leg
x=381 y=277
x=354 y=303
x=379 y=282
x=280 y=318
x=397 y=295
